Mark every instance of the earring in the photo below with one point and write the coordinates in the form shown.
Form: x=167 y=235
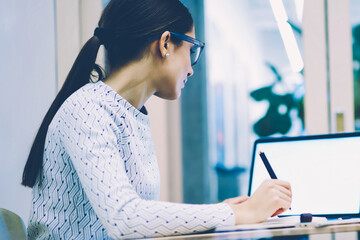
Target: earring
x=167 y=55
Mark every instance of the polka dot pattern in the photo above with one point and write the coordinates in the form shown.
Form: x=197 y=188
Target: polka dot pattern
x=101 y=179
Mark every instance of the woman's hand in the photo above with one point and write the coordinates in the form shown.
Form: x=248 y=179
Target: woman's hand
x=271 y=198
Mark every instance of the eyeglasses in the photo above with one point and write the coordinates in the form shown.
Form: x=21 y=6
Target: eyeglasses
x=195 y=50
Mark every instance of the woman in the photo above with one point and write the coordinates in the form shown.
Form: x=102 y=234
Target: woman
x=93 y=167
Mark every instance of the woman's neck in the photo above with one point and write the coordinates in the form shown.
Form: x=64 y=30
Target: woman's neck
x=133 y=83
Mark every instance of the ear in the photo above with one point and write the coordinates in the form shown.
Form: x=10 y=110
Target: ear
x=164 y=44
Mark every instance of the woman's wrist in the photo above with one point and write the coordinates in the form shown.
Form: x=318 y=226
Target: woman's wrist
x=242 y=213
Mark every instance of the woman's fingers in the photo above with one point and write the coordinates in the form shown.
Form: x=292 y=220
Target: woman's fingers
x=278 y=212
x=284 y=199
x=283 y=187
x=283 y=183
x=283 y=194
x=285 y=203
x=279 y=188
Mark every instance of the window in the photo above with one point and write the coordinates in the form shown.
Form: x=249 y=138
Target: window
x=256 y=84
x=355 y=29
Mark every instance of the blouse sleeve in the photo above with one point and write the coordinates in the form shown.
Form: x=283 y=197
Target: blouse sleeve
x=123 y=213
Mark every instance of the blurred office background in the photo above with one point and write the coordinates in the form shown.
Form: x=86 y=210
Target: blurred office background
x=270 y=68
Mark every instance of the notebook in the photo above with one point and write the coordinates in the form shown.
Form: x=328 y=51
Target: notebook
x=324 y=172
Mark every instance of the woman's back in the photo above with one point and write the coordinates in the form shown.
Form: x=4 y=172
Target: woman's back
x=60 y=206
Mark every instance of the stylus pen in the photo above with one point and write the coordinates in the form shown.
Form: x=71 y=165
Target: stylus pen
x=267 y=165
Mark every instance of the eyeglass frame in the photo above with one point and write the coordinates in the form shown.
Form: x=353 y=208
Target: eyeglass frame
x=190 y=40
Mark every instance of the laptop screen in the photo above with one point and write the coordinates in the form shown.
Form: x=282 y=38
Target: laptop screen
x=323 y=170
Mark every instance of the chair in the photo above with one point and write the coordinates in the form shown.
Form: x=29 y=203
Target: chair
x=11 y=226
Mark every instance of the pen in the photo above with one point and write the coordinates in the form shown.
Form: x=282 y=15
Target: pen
x=267 y=165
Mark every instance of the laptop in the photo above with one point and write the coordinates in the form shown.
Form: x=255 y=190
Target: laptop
x=323 y=170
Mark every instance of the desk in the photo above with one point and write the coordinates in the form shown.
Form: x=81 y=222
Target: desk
x=338 y=232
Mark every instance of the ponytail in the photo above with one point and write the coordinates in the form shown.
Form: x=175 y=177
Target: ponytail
x=78 y=76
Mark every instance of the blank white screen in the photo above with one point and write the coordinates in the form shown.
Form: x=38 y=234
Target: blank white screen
x=323 y=173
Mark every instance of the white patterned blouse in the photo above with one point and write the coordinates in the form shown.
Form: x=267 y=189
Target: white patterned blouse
x=100 y=176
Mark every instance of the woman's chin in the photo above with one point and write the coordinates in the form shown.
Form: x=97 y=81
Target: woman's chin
x=172 y=96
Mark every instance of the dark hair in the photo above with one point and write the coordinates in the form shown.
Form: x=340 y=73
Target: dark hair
x=128 y=28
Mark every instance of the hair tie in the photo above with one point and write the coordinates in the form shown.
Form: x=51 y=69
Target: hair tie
x=101 y=34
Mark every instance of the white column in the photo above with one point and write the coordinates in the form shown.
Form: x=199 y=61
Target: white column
x=67 y=36
x=174 y=160
x=340 y=66
x=75 y=24
x=90 y=13
x=166 y=131
x=329 y=98
x=315 y=70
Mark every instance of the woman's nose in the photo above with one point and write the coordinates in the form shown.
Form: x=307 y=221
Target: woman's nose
x=191 y=72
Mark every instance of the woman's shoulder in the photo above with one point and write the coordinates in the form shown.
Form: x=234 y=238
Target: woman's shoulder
x=90 y=94
x=99 y=98
x=90 y=91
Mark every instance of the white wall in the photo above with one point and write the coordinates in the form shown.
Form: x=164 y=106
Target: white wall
x=28 y=85
x=165 y=123
x=328 y=67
